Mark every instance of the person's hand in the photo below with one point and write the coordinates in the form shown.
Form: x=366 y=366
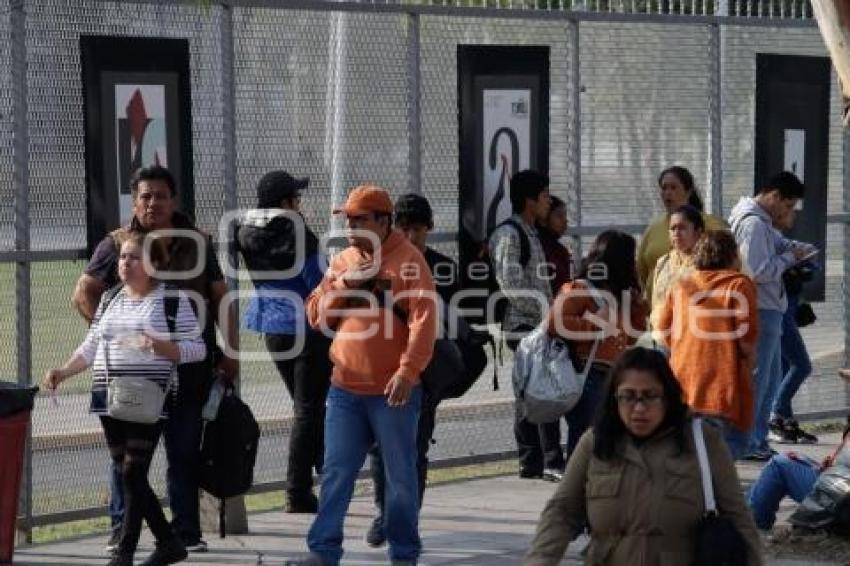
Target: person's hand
x=53 y=378
x=802 y=251
x=398 y=391
x=229 y=367
x=358 y=274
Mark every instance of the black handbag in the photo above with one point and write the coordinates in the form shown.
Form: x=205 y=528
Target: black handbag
x=718 y=542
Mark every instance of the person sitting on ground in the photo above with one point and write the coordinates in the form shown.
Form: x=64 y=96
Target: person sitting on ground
x=790 y=475
x=129 y=337
x=634 y=479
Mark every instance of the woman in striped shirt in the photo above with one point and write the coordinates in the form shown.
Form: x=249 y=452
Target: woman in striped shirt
x=130 y=336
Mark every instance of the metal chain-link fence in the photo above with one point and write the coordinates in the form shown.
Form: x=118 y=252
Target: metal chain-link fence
x=324 y=90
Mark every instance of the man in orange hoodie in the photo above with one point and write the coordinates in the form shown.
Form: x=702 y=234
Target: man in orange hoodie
x=378 y=296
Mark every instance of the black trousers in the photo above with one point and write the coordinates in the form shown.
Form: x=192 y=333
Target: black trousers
x=538 y=446
x=424 y=434
x=307 y=379
x=132 y=446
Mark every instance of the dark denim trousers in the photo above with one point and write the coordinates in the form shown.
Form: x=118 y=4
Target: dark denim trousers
x=796 y=363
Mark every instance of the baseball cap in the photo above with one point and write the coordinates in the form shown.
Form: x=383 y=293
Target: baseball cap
x=366 y=198
x=276 y=186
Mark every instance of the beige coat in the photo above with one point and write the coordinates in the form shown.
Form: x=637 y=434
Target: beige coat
x=642 y=507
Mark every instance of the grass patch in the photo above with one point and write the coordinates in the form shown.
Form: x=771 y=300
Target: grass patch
x=274 y=500
x=824 y=427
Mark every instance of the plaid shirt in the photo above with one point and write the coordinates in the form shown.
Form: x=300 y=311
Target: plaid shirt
x=516 y=282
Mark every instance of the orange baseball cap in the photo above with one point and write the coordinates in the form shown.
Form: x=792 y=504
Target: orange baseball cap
x=366 y=198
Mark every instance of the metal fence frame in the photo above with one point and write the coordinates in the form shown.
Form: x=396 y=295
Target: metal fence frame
x=572 y=19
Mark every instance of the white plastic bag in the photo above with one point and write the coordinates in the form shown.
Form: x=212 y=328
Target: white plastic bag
x=545 y=380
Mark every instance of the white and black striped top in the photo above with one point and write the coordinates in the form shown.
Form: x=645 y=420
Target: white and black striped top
x=121 y=325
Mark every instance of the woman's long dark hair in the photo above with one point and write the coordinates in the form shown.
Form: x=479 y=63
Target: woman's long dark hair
x=609 y=428
x=610 y=263
x=687 y=179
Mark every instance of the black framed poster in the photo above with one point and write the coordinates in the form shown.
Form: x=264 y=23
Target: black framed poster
x=137 y=100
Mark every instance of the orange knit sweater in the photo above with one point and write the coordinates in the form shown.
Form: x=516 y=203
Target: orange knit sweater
x=707 y=318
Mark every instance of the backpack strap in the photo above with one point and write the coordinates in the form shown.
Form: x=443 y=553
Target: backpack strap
x=171 y=303
x=110 y=294
x=524 y=244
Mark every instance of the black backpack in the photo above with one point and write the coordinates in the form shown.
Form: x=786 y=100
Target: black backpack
x=229 y=450
x=490 y=283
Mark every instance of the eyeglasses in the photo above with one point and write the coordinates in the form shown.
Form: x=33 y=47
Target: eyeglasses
x=630 y=399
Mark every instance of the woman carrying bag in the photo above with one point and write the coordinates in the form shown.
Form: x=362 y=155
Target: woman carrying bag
x=635 y=478
x=607 y=278
x=133 y=352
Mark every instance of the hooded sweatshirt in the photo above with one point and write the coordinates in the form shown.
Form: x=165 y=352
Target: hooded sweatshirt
x=372 y=345
x=273 y=244
x=705 y=317
x=765 y=253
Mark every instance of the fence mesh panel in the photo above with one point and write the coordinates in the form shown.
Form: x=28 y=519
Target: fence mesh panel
x=326 y=95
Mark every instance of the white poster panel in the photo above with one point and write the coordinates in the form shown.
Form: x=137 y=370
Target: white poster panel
x=795 y=156
x=507 y=138
x=140 y=135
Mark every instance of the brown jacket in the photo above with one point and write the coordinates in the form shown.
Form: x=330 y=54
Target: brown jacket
x=642 y=507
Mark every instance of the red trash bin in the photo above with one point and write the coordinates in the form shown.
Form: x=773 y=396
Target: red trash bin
x=13 y=438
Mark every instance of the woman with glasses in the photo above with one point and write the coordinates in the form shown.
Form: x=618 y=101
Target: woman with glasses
x=709 y=322
x=634 y=479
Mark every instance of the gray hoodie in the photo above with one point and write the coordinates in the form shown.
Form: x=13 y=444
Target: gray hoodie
x=765 y=252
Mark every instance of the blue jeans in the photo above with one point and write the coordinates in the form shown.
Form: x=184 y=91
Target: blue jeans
x=581 y=416
x=766 y=375
x=182 y=436
x=737 y=441
x=353 y=423
x=796 y=364
x=780 y=477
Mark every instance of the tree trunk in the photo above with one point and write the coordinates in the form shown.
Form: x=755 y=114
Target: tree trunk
x=833 y=17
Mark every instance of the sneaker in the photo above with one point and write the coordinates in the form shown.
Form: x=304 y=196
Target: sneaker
x=197 y=546
x=778 y=433
x=120 y=559
x=553 y=475
x=792 y=428
x=376 y=536
x=307 y=504
x=167 y=552
x=309 y=560
x=112 y=543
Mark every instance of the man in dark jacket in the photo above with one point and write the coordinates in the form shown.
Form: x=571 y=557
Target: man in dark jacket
x=282 y=255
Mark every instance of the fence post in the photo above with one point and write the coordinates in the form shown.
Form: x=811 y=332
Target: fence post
x=236 y=520
x=715 y=117
x=845 y=175
x=23 y=280
x=575 y=127
x=413 y=109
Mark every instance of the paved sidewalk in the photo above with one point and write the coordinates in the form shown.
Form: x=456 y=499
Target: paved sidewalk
x=486 y=521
